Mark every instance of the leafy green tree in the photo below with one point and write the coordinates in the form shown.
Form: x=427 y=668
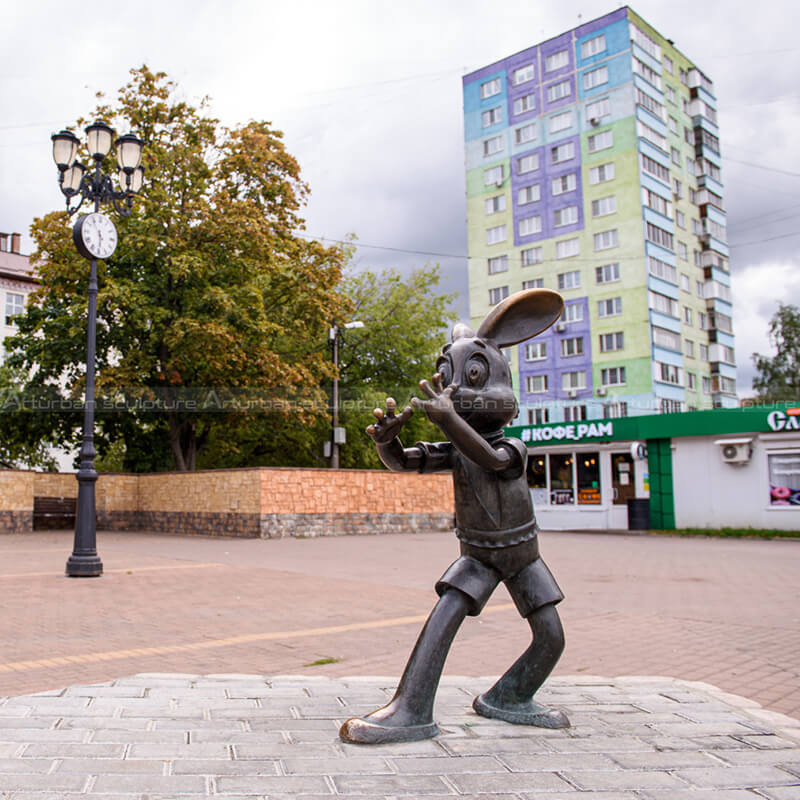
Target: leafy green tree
x=210 y=294
x=405 y=325
x=778 y=377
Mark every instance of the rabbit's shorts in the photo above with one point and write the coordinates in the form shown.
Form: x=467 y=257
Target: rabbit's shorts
x=478 y=570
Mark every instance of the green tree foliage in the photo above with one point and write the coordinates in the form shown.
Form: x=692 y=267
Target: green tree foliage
x=778 y=376
x=210 y=289
x=405 y=325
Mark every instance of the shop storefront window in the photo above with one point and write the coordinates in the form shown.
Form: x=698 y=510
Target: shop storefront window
x=784 y=479
x=588 y=468
x=537 y=479
x=562 y=489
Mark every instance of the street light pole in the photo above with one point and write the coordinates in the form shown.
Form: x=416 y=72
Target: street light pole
x=337 y=433
x=95 y=237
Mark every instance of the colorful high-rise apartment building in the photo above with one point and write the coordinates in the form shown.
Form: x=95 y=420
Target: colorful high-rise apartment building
x=593 y=167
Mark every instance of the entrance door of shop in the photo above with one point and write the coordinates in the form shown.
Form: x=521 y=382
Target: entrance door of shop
x=623 y=481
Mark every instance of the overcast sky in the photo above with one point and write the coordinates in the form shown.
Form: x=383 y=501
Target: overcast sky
x=368 y=94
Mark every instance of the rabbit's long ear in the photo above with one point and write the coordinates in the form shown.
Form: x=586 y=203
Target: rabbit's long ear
x=521 y=316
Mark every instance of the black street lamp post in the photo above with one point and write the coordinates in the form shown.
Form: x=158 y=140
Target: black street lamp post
x=95 y=237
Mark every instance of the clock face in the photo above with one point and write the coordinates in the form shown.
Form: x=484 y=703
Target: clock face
x=96 y=236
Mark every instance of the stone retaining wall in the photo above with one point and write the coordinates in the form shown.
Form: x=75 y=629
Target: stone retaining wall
x=261 y=502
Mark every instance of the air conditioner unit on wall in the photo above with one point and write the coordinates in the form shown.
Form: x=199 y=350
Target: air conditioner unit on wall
x=601 y=391
x=573 y=393
x=735 y=451
x=561 y=327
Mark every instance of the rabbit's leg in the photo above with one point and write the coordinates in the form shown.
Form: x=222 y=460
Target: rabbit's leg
x=511 y=698
x=409 y=715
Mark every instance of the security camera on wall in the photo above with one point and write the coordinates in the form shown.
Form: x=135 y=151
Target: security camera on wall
x=735 y=451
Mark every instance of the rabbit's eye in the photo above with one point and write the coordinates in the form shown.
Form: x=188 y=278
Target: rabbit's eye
x=476 y=371
x=445 y=370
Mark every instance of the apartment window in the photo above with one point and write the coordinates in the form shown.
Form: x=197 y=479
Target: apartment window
x=574 y=414
x=598 y=109
x=527 y=133
x=497 y=294
x=668 y=65
x=706 y=384
x=684 y=76
x=596 y=77
x=606 y=240
x=591 y=47
x=608 y=273
x=702 y=321
x=721 y=322
x=490 y=88
x=527 y=163
x=651 y=134
x=699 y=288
x=683 y=251
x=656 y=202
x=571 y=381
x=538 y=416
x=652 y=167
x=604 y=206
x=495 y=204
x=662 y=270
x=653 y=106
x=685 y=284
x=675 y=155
x=567 y=248
x=663 y=304
x=660 y=237
x=667 y=339
x=522 y=74
x=536 y=384
x=687 y=315
x=497 y=264
x=536 y=351
x=496 y=234
x=15 y=305
x=558 y=91
x=562 y=152
x=560 y=122
x=615 y=410
x=564 y=183
x=601 y=173
x=688 y=348
x=493 y=176
x=528 y=194
x=569 y=280
x=572 y=346
x=525 y=103
x=703 y=348
x=610 y=342
x=688 y=135
x=612 y=307
x=492 y=117
x=573 y=312
x=565 y=216
x=556 y=60
x=649 y=74
x=677 y=188
x=668 y=373
x=600 y=141
x=691 y=381
x=534 y=283
x=680 y=219
x=673 y=125
x=645 y=42
x=527 y=226
x=530 y=256
x=493 y=145
x=691 y=166
x=667 y=406
x=612 y=376
x=670 y=93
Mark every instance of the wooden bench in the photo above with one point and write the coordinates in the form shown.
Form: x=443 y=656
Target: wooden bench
x=51 y=513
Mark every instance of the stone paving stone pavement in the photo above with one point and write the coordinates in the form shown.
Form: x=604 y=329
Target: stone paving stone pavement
x=249 y=737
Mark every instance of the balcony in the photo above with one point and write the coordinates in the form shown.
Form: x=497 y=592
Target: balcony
x=697 y=79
